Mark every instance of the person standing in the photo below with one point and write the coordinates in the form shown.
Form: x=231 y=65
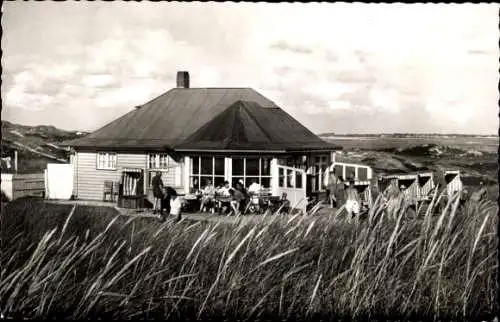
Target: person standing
x=393 y=199
x=327 y=180
x=333 y=188
x=157 y=185
x=353 y=201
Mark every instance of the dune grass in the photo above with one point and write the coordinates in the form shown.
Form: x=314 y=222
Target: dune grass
x=59 y=261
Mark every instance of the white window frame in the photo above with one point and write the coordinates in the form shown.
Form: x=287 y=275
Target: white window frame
x=106 y=160
x=158 y=161
x=290 y=184
x=323 y=161
x=258 y=177
x=199 y=175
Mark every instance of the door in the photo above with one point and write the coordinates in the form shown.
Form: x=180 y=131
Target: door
x=292 y=181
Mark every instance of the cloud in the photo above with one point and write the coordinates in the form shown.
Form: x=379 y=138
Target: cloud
x=282 y=45
x=99 y=80
x=333 y=66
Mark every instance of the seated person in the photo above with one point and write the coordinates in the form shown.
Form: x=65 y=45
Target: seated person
x=175 y=205
x=208 y=195
x=224 y=190
x=225 y=194
x=254 y=188
x=165 y=202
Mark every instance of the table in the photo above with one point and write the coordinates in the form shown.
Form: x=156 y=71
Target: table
x=191 y=202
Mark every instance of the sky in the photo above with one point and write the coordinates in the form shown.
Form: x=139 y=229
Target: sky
x=336 y=67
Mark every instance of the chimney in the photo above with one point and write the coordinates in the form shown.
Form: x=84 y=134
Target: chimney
x=182 y=80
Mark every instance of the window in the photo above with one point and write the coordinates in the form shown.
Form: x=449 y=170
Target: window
x=106 y=161
x=251 y=169
x=363 y=174
x=298 y=179
x=339 y=170
x=206 y=168
x=350 y=171
x=158 y=161
x=318 y=169
x=290 y=178
x=281 y=177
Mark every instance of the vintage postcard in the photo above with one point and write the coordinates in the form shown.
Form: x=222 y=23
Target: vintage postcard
x=249 y=161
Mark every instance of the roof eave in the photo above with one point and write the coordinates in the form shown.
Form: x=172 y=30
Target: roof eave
x=229 y=151
x=118 y=148
x=316 y=149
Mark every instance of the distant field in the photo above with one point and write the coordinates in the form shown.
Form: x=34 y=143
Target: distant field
x=485 y=144
x=475 y=157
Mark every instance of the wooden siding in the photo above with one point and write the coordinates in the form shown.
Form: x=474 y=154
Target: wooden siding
x=73 y=159
x=90 y=182
x=426 y=183
x=411 y=192
x=453 y=182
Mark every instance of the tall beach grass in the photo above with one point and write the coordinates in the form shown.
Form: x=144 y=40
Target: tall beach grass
x=59 y=261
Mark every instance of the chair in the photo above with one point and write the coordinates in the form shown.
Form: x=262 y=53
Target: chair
x=108 y=190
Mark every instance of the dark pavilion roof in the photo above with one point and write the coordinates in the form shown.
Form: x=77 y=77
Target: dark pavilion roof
x=206 y=119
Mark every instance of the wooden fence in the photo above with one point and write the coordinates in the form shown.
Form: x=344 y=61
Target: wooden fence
x=15 y=185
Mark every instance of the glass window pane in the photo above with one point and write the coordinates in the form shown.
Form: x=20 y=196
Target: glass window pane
x=196 y=165
x=362 y=174
x=164 y=161
x=281 y=177
x=218 y=181
x=252 y=167
x=298 y=179
x=319 y=181
x=238 y=166
x=349 y=172
x=207 y=165
x=290 y=179
x=338 y=170
x=219 y=166
x=265 y=167
x=194 y=184
x=281 y=161
x=265 y=182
